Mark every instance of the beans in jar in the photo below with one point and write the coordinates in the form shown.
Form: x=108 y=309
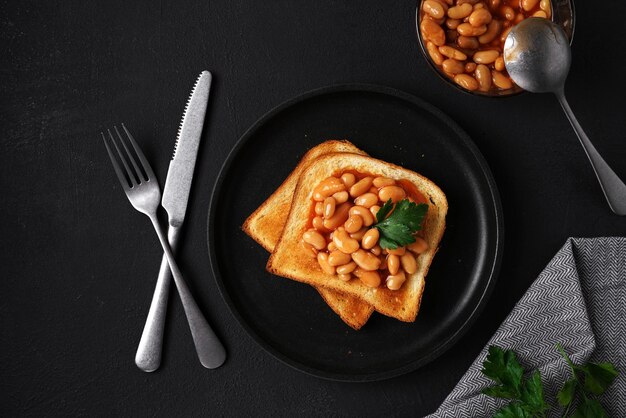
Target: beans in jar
x=342 y=236
x=465 y=39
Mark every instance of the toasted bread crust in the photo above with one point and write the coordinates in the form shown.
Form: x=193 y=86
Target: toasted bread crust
x=351 y=309
x=291 y=261
x=265 y=225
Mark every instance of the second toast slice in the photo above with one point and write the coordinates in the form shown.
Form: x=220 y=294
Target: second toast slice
x=265 y=225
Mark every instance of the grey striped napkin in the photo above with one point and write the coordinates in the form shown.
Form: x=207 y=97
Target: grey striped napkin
x=579 y=301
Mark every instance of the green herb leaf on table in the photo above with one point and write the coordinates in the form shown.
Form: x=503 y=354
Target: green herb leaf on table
x=532 y=394
x=589 y=408
x=567 y=392
x=501 y=392
x=503 y=368
x=591 y=378
x=598 y=377
x=512 y=410
x=397 y=229
x=526 y=395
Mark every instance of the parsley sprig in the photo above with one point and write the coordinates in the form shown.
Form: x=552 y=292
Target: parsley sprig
x=590 y=379
x=397 y=229
x=526 y=394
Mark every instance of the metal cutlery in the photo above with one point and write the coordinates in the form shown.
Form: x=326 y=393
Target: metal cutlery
x=175 y=198
x=538 y=56
x=144 y=193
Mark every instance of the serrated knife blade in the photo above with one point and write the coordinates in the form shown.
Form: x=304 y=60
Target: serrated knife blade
x=174 y=200
x=180 y=172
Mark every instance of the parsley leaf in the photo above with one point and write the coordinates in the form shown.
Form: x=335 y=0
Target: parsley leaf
x=503 y=368
x=567 y=392
x=532 y=394
x=502 y=392
x=589 y=408
x=598 y=377
x=384 y=211
x=591 y=378
x=512 y=410
x=397 y=229
x=526 y=395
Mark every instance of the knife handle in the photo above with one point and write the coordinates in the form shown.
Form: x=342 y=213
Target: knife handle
x=209 y=348
x=148 y=357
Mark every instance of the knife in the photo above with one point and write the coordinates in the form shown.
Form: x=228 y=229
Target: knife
x=175 y=198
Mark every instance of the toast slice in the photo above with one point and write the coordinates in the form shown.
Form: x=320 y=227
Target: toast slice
x=290 y=260
x=265 y=225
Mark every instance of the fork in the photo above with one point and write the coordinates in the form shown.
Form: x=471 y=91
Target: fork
x=144 y=193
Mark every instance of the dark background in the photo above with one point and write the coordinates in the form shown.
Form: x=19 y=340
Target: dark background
x=79 y=264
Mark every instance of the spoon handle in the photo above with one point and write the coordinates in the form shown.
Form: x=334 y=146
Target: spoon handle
x=614 y=189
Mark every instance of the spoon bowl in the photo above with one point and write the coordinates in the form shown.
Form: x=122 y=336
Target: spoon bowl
x=537 y=55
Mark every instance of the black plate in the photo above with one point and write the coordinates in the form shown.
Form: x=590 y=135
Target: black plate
x=289 y=319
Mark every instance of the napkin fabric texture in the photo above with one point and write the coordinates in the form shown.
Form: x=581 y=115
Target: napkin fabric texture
x=579 y=301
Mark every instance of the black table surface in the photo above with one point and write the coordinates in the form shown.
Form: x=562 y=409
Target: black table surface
x=79 y=264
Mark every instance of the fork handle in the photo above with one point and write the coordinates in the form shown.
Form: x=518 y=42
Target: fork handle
x=148 y=357
x=210 y=350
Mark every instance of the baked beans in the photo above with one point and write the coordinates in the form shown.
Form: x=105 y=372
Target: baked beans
x=338 y=258
x=370 y=239
x=344 y=277
x=363 y=213
x=395 y=281
x=348 y=179
x=329 y=207
x=346 y=268
x=358 y=235
x=367 y=200
x=369 y=278
x=339 y=217
x=361 y=187
x=419 y=246
x=465 y=38
x=393 y=264
x=344 y=242
x=383 y=181
x=322 y=259
x=341 y=197
x=341 y=235
x=353 y=224
x=315 y=239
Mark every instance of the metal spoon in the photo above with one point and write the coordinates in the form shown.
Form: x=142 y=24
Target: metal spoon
x=537 y=56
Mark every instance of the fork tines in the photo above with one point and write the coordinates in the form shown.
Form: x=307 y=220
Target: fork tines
x=128 y=177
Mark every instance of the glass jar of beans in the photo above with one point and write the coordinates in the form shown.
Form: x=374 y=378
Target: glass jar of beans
x=464 y=39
